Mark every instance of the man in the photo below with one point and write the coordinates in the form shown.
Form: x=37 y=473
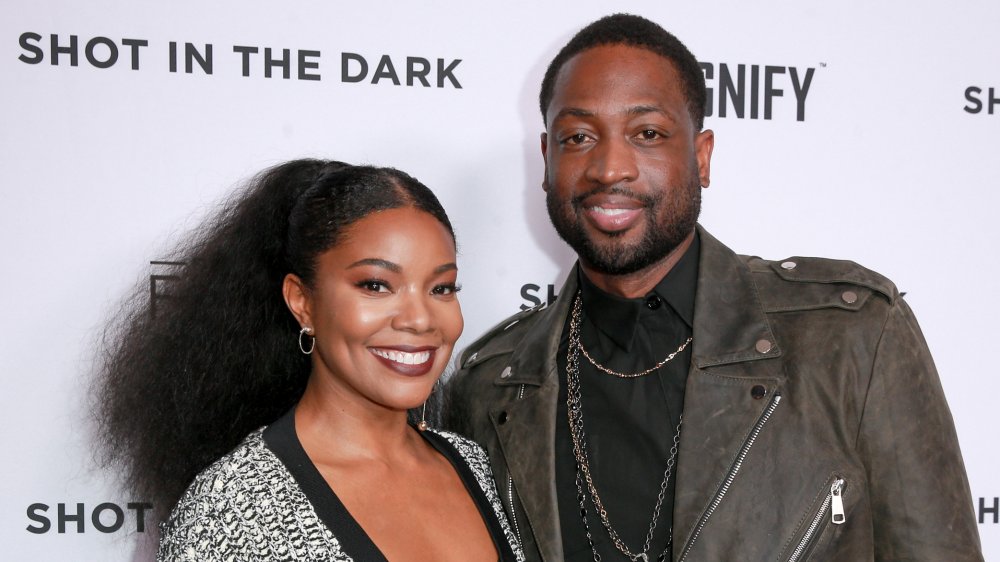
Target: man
x=678 y=401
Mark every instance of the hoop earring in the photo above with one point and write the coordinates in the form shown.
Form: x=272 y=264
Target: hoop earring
x=307 y=332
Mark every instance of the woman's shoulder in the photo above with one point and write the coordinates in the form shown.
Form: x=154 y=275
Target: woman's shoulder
x=247 y=466
x=473 y=456
x=246 y=503
x=467 y=448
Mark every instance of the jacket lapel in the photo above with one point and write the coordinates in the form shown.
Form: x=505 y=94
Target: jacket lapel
x=526 y=425
x=735 y=356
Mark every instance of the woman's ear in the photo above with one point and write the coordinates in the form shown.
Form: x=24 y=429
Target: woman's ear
x=297 y=298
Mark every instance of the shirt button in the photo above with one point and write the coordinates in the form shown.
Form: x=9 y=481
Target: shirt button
x=653 y=302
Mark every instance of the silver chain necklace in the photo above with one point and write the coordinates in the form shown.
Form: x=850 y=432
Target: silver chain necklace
x=574 y=408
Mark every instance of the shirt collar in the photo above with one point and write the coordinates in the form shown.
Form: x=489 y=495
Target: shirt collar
x=619 y=318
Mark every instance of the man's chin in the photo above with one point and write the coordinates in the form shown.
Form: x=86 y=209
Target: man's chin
x=614 y=260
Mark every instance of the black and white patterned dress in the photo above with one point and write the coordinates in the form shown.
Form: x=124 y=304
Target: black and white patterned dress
x=266 y=501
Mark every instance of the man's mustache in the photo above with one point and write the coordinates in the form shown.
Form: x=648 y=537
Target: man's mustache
x=646 y=199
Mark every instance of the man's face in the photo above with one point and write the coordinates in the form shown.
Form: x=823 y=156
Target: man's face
x=624 y=165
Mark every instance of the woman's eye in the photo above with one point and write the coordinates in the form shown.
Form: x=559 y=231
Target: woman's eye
x=447 y=289
x=374 y=286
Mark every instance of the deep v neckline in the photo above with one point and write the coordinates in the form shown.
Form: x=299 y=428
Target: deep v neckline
x=283 y=441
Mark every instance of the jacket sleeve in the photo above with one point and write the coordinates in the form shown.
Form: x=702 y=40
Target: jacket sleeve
x=921 y=505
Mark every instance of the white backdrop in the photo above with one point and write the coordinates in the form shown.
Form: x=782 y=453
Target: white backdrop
x=891 y=166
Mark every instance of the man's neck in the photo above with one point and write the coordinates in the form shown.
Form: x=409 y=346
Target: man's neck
x=639 y=283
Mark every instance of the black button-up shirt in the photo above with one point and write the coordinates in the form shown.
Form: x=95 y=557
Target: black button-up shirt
x=629 y=423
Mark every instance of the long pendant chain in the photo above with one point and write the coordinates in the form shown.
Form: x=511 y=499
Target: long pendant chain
x=574 y=407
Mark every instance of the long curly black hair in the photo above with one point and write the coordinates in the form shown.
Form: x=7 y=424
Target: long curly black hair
x=181 y=384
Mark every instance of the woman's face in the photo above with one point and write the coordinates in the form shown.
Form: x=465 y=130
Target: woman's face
x=384 y=309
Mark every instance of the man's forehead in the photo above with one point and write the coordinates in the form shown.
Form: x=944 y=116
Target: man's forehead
x=619 y=78
x=614 y=56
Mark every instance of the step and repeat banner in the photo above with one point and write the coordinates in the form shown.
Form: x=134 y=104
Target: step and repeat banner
x=858 y=131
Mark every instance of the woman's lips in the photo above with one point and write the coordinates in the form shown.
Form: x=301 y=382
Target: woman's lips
x=408 y=361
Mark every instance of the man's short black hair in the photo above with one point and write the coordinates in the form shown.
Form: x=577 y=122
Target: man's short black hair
x=634 y=31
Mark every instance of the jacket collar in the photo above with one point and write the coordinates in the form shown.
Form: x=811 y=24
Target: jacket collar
x=534 y=361
x=730 y=325
x=729 y=321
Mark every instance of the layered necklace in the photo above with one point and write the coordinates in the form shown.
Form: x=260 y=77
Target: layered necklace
x=574 y=408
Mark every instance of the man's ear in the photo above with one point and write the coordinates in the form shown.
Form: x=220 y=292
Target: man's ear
x=704 y=143
x=545 y=162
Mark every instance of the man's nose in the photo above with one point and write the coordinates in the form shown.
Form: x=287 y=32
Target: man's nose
x=612 y=161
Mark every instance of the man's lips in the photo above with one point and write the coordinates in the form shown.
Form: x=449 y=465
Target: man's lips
x=406 y=360
x=610 y=213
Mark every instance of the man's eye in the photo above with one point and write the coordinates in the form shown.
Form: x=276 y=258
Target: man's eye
x=650 y=134
x=578 y=138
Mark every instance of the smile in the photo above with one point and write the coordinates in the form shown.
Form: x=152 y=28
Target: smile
x=612 y=219
x=610 y=212
x=411 y=362
x=403 y=357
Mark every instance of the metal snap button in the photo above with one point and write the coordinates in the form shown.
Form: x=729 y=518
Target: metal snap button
x=506 y=373
x=850 y=297
x=758 y=391
x=653 y=302
x=502 y=418
x=763 y=346
x=788 y=265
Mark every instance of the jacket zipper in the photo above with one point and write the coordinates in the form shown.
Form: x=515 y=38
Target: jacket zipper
x=510 y=491
x=835 y=502
x=733 y=470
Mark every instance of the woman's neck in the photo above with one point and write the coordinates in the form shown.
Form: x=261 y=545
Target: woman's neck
x=335 y=427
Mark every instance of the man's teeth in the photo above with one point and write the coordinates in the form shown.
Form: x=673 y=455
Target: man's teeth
x=610 y=212
x=404 y=357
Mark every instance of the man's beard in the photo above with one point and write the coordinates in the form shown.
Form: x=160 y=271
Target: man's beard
x=668 y=223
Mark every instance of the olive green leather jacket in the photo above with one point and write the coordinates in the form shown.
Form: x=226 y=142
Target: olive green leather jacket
x=815 y=426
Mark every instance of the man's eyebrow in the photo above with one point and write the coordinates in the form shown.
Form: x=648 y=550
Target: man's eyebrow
x=573 y=112
x=633 y=111
x=384 y=264
x=446 y=267
x=644 y=109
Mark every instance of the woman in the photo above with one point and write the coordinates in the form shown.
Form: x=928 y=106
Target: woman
x=312 y=314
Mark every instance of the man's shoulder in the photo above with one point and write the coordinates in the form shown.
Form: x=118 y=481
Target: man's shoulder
x=472 y=387
x=504 y=337
x=806 y=283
